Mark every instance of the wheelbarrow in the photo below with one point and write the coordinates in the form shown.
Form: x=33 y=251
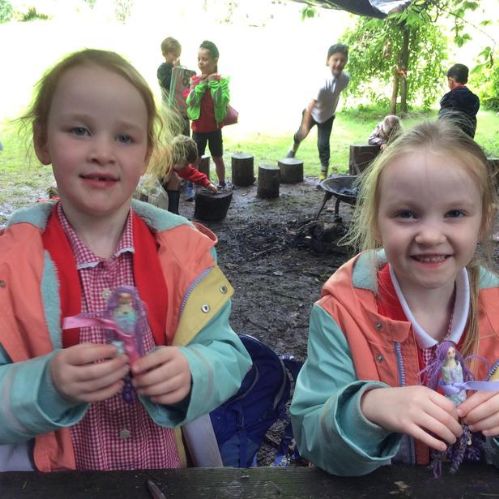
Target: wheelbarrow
x=343 y=188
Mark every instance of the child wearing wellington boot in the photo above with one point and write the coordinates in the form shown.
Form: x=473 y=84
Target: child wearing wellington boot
x=184 y=157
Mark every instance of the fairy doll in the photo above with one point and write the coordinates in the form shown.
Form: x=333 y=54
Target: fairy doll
x=449 y=373
x=125 y=318
x=125 y=322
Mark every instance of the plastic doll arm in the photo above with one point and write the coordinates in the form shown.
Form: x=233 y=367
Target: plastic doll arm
x=218 y=363
x=30 y=403
x=328 y=424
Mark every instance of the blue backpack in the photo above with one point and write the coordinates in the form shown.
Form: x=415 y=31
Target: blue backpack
x=240 y=424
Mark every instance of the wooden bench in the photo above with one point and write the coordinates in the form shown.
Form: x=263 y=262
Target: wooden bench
x=290 y=482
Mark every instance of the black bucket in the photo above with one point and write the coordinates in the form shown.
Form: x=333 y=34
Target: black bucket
x=212 y=207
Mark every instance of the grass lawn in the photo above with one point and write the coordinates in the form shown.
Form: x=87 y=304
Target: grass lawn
x=20 y=172
x=23 y=180
x=350 y=127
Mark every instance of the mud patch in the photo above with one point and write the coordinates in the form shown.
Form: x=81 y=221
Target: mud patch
x=277 y=256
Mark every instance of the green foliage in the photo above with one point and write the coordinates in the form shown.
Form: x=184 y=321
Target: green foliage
x=458 y=11
x=32 y=15
x=307 y=12
x=484 y=81
x=5 y=11
x=123 y=9
x=376 y=51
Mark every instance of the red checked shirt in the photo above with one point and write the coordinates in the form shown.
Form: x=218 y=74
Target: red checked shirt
x=114 y=434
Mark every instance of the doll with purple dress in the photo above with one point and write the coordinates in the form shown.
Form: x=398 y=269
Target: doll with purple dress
x=448 y=371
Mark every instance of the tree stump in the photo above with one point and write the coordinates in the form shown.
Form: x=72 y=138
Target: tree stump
x=212 y=207
x=360 y=158
x=204 y=165
x=291 y=170
x=242 y=169
x=269 y=177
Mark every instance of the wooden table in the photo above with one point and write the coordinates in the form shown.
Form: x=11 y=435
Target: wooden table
x=471 y=482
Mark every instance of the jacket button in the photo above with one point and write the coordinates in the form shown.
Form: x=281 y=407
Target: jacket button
x=379 y=358
x=223 y=290
x=205 y=308
x=124 y=434
x=3 y=284
x=378 y=325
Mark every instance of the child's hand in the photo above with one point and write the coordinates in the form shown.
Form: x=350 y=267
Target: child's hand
x=481 y=412
x=163 y=375
x=212 y=188
x=89 y=372
x=417 y=411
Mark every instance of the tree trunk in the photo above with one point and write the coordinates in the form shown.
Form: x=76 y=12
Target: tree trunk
x=404 y=64
x=268 y=181
x=212 y=207
x=395 y=92
x=242 y=169
x=204 y=165
x=291 y=170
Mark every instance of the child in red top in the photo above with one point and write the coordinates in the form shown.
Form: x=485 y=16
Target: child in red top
x=207 y=105
x=184 y=156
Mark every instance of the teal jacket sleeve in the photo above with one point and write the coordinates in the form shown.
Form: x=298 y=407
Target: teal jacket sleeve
x=218 y=362
x=328 y=424
x=30 y=403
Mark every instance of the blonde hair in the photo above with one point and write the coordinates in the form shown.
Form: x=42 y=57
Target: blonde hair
x=392 y=126
x=183 y=151
x=440 y=136
x=170 y=44
x=38 y=112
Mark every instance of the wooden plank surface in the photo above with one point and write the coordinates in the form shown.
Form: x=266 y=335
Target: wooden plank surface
x=470 y=482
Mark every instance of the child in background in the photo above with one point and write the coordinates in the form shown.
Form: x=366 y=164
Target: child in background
x=385 y=131
x=171 y=50
x=460 y=103
x=359 y=402
x=94 y=120
x=321 y=109
x=207 y=106
x=184 y=156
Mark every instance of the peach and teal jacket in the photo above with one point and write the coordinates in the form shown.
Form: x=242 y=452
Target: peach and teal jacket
x=35 y=419
x=353 y=348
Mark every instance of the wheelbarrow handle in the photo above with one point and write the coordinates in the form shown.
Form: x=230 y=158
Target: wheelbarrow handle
x=327 y=196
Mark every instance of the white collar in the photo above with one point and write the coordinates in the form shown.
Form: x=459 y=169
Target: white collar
x=459 y=315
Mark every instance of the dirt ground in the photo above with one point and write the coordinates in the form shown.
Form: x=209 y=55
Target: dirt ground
x=265 y=249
